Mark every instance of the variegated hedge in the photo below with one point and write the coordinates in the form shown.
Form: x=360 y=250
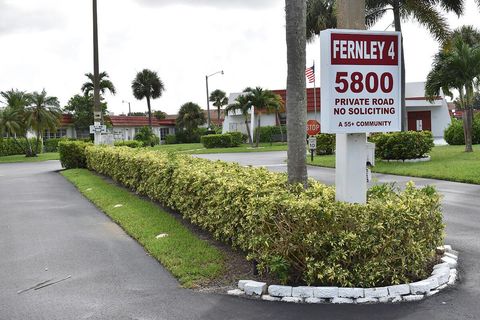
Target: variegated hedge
x=300 y=235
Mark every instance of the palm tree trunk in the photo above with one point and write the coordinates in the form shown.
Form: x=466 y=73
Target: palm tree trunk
x=258 y=130
x=37 y=142
x=149 y=113
x=28 y=147
x=468 y=128
x=398 y=27
x=248 y=131
x=218 y=115
x=295 y=11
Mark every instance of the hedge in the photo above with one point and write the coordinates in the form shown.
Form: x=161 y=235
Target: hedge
x=170 y=139
x=72 y=154
x=271 y=134
x=402 y=145
x=325 y=143
x=8 y=146
x=129 y=143
x=302 y=236
x=227 y=140
x=454 y=135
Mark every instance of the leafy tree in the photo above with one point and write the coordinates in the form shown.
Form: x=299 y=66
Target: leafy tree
x=13 y=118
x=295 y=16
x=43 y=113
x=219 y=99
x=190 y=116
x=147 y=136
x=160 y=115
x=80 y=107
x=104 y=84
x=242 y=104
x=147 y=85
x=457 y=66
x=263 y=101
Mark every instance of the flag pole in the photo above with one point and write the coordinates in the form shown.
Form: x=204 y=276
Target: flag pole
x=314 y=92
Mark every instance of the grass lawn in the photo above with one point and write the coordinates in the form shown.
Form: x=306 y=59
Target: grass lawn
x=22 y=158
x=191 y=260
x=197 y=148
x=448 y=163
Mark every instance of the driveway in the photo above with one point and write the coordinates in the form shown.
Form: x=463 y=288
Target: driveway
x=50 y=231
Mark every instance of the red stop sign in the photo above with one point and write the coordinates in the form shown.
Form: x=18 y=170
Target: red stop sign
x=313 y=127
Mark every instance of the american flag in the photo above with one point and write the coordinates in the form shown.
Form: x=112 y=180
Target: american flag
x=310 y=73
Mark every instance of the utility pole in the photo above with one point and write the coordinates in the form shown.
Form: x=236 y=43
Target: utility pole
x=97 y=112
x=351 y=166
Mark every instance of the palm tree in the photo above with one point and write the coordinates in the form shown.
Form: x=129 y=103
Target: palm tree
x=147 y=85
x=13 y=117
x=244 y=105
x=263 y=101
x=104 y=84
x=321 y=15
x=295 y=16
x=457 y=66
x=190 y=116
x=43 y=113
x=219 y=99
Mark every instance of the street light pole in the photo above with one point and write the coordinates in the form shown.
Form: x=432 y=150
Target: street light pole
x=129 y=110
x=208 y=98
x=96 y=90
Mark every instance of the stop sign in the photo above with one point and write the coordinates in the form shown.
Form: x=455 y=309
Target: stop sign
x=313 y=127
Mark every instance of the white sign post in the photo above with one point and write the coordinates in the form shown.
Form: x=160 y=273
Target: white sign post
x=360 y=83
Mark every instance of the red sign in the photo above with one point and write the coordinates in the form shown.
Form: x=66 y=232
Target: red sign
x=313 y=127
x=364 y=49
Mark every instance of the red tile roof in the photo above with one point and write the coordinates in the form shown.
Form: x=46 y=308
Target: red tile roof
x=66 y=120
x=310 y=98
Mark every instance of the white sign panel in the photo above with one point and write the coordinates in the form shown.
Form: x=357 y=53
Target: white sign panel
x=98 y=128
x=360 y=81
x=312 y=143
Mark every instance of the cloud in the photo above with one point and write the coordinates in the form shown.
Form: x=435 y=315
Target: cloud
x=245 y=4
x=17 y=19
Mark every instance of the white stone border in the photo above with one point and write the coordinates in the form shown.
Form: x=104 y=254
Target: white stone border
x=427 y=158
x=444 y=274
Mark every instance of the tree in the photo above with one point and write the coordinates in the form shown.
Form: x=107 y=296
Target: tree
x=190 y=116
x=159 y=115
x=263 y=101
x=104 y=84
x=80 y=107
x=457 y=67
x=321 y=15
x=42 y=113
x=244 y=105
x=147 y=85
x=295 y=15
x=13 y=118
x=219 y=99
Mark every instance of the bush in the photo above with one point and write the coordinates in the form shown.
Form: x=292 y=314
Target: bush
x=271 y=134
x=183 y=136
x=302 y=235
x=72 y=154
x=147 y=137
x=8 y=146
x=237 y=138
x=325 y=144
x=51 y=145
x=454 y=135
x=128 y=143
x=217 y=141
x=170 y=139
x=402 y=145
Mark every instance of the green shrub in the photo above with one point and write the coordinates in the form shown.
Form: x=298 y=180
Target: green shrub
x=325 y=143
x=237 y=138
x=271 y=134
x=302 y=235
x=170 y=139
x=8 y=146
x=402 y=145
x=51 y=145
x=147 y=137
x=183 y=136
x=217 y=141
x=128 y=143
x=454 y=135
x=72 y=154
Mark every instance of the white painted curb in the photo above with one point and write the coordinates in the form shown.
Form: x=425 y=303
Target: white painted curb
x=444 y=274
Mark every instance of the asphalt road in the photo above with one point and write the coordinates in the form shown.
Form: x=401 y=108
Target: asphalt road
x=50 y=231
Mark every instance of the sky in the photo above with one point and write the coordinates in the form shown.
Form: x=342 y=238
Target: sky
x=48 y=45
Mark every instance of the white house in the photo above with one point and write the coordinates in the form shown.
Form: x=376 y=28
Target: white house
x=422 y=114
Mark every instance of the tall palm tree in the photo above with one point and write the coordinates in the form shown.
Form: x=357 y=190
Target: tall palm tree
x=13 y=117
x=244 y=105
x=457 y=66
x=295 y=16
x=321 y=15
x=263 y=101
x=104 y=84
x=147 y=84
x=43 y=113
x=219 y=99
x=190 y=116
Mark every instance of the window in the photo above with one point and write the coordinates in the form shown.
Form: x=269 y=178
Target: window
x=60 y=133
x=164 y=132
